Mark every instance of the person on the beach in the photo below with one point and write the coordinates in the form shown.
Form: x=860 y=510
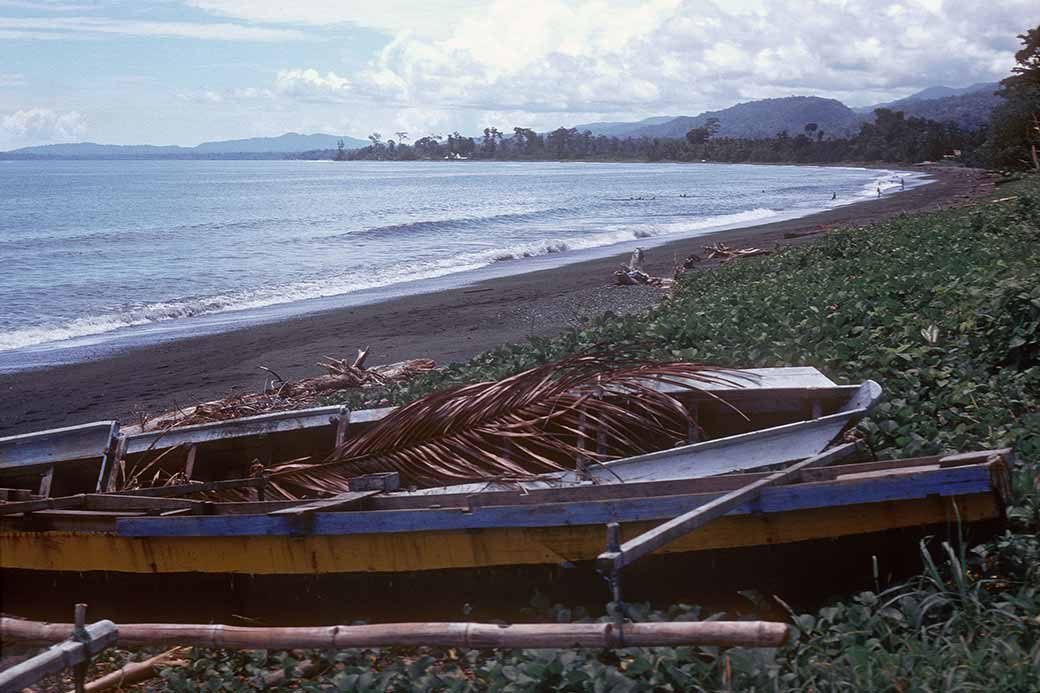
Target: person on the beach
x=902 y=184
x=879 y=190
x=834 y=196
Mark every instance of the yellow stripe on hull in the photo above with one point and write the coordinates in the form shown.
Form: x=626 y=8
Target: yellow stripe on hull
x=418 y=551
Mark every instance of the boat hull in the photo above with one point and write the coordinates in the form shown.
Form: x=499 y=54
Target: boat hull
x=470 y=548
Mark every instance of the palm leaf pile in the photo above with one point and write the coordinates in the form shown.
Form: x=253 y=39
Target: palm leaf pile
x=583 y=409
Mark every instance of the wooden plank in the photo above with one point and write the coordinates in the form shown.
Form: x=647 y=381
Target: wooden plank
x=88 y=514
x=385 y=481
x=188 y=489
x=589 y=492
x=69 y=653
x=39 y=449
x=610 y=562
x=1007 y=454
x=189 y=464
x=263 y=424
x=954 y=481
x=45 y=482
x=64 y=502
x=15 y=494
x=110 y=462
x=339 y=502
x=437 y=550
x=117 y=502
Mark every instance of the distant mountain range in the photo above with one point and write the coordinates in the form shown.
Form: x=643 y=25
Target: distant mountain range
x=969 y=107
x=289 y=143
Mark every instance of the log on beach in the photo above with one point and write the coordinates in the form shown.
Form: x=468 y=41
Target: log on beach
x=462 y=635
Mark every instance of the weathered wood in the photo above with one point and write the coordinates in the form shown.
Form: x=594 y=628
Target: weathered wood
x=111 y=463
x=15 y=494
x=65 y=654
x=383 y=481
x=189 y=464
x=188 y=489
x=339 y=502
x=342 y=421
x=1007 y=454
x=610 y=562
x=80 y=670
x=137 y=672
x=117 y=502
x=39 y=449
x=462 y=635
x=45 y=482
x=944 y=482
x=30 y=506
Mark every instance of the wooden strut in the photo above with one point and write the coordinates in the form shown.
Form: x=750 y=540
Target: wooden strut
x=72 y=651
x=611 y=561
x=461 y=635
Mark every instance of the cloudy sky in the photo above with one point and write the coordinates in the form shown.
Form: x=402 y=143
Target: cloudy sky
x=187 y=71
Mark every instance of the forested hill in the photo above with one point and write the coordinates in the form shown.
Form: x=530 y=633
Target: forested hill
x=969 y=111
x=764 y=118
x=968 y=107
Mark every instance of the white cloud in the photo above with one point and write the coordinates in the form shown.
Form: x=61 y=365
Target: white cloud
x=594 y=56
x=73 y=27
x=430 y=17
x=41 y=125
x=309 y=84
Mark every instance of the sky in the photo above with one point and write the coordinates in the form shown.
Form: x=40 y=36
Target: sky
x=188 y=71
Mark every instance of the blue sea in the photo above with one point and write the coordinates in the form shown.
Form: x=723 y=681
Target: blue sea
x=102 y=255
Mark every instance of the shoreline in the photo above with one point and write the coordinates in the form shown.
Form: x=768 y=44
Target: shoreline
x=448 y=325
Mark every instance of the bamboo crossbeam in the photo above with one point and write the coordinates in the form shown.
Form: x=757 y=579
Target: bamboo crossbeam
x=461 y=635
x=611 y=561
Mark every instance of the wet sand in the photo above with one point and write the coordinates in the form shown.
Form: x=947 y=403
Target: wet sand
x=451 y=325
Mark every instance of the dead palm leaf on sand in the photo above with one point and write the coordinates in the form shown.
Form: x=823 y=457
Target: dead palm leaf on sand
x=590 y=407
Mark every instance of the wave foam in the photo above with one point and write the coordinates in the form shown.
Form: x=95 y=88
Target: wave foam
x=188 y=307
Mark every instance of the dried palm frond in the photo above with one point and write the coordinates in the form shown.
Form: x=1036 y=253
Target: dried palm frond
x=590 y=407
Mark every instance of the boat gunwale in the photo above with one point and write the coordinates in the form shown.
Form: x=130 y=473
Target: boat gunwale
x=911 y=484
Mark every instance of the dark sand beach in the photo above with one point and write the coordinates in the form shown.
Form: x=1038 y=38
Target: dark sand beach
x=447 y=326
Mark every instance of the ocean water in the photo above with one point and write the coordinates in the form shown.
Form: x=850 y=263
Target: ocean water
x=100 y=255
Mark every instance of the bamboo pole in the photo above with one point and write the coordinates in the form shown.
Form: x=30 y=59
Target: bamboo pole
x=461 y=635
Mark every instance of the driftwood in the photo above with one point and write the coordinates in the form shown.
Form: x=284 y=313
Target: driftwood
x=633 y=274
x=462 y=635
x=721 y=251
x=283 y=395
x=137 y=672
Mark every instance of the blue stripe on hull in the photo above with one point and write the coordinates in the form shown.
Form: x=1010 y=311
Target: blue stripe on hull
x=943 y=482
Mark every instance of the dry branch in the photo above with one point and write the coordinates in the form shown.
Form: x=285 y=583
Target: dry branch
x=462 y=635
x=516 y=428
x=289 y=395
x=137 y=672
